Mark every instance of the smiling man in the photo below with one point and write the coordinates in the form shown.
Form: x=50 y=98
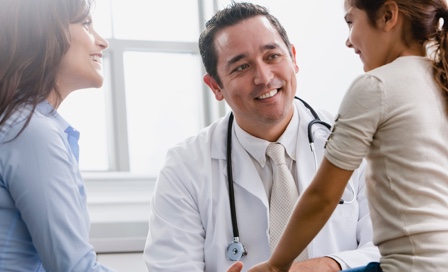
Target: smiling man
x=215 y=189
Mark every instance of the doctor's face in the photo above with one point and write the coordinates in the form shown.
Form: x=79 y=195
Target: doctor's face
x=258 y=76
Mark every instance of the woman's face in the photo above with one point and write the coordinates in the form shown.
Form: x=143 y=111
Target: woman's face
x=81 y=66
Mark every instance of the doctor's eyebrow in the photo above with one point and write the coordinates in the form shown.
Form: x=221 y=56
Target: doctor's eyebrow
x=235 y=59
x=239 y=57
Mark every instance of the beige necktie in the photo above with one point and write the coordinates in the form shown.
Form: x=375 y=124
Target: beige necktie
x=284 y=196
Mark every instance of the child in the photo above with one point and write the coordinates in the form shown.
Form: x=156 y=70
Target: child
x=397 y=115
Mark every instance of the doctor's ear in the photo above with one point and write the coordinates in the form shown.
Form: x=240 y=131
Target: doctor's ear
x=213 y=85
x=293 y=52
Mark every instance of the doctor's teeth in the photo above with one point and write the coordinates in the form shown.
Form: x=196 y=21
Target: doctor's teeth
x=267 y=95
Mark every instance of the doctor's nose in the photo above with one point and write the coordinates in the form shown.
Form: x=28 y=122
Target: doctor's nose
x=263 y=75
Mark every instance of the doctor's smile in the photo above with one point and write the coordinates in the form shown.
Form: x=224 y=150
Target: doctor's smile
x=268 y=95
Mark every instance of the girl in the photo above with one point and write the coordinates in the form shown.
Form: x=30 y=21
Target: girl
x=396 y=114
x=48 y=49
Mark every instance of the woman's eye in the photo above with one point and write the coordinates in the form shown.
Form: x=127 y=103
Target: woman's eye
x=87 y=24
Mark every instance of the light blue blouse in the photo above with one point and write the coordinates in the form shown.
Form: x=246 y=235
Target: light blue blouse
x=44 y=222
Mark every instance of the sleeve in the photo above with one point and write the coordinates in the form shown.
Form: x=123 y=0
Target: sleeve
x=366 y=251
x=49 y=193
x=176 y=234
x=360 y=114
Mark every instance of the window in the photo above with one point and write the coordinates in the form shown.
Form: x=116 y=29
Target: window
x=153 y=96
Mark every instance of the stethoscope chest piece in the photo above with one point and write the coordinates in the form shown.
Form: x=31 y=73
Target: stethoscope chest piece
x=235 y=250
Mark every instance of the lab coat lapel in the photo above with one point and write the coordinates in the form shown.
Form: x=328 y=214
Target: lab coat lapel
x=245 y=174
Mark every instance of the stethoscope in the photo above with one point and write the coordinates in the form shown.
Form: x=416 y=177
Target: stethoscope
x=236 y=250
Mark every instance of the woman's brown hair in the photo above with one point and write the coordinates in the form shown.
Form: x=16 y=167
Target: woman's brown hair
x=34 y=36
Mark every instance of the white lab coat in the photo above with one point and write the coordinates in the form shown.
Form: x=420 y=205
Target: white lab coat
x=190 y=222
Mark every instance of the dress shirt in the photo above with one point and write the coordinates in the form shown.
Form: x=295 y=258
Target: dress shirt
x=256 y=148
x=44 y=222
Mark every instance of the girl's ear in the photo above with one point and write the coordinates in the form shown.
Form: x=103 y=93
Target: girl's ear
x=388 y=15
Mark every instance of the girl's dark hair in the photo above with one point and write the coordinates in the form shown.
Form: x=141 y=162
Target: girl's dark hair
x=229 y=16
x=424 y=17
x=34 y=38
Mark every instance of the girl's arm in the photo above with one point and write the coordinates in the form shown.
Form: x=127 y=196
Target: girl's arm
x=310 y=214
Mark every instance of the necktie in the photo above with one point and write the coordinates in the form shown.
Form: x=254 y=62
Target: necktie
x=73 y=137
x=284 y=196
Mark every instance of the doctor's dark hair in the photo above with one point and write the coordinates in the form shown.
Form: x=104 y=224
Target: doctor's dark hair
x=229 y=16
x=423 y=18
x=34 y=38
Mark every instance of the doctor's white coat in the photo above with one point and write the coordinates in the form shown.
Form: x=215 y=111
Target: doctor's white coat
x=190 y=223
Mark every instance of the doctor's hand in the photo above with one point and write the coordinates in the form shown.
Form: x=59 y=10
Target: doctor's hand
x=322 y=264
x=236 y=267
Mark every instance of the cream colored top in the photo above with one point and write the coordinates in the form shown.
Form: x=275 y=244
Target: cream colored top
x=395 y=115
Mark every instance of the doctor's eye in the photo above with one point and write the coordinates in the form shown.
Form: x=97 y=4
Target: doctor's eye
x=241 y=68
x=274 y=56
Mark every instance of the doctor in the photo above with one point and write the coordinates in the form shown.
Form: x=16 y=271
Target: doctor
x=251 y=65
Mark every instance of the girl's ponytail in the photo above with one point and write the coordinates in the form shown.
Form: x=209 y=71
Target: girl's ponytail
x=441 y=54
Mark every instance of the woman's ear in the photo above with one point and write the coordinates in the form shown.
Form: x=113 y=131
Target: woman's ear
x=388 y=15
x=213 y=85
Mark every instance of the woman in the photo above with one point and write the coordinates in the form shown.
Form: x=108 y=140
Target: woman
x=48 y=49
x=397 y=115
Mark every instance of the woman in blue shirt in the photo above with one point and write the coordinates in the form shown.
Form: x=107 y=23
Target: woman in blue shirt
x=48 y=49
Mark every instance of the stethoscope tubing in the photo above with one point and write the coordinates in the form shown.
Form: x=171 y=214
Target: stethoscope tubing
x=230 y=178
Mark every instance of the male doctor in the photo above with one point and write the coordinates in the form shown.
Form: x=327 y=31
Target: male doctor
x=250 y=64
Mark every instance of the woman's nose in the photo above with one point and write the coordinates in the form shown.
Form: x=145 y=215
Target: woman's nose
x=103 y=43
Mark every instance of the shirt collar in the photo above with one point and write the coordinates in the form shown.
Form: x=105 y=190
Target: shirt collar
x=256 y=147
